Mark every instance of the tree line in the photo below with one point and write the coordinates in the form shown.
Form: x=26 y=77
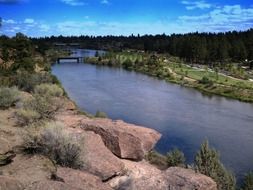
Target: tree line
x=200 y=48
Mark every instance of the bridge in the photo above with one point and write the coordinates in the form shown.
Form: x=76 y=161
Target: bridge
x=78 y=59
x=67 y=45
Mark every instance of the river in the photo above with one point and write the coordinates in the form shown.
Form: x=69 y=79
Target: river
x=184 y=116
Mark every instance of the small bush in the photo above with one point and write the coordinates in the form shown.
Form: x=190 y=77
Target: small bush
x=101 y=114
x=60 y=147
x=48 y=90
x=45 y=106
x=175 y=158
x=54 y=143
x=157 y=159
x=8 y=97
x=206 y=80
x=32 y=141
x=27 y=116
x=248 y=182
x=37 y=108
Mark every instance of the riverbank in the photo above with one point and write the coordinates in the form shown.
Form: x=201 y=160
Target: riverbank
x=173 y=70
x=110 y=152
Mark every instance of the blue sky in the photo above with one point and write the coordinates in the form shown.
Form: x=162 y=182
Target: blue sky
x=123 y=17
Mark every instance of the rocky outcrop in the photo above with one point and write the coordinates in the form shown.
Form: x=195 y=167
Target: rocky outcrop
x=8 y=183
x=98 y=159
x=143 y=176
x=125 y=140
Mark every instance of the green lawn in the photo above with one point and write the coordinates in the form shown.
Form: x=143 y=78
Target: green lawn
x=199 y=74
x=133 y=57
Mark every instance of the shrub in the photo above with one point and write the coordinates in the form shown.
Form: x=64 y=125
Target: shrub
x=60 y=146
x=45 y=106
x=157 y=159
x=32 y=142
x=8 y=97
x=207 y=162
x=37 y=108
x=27 y=81
x=206 y=80
x=54 y=143
x=101 y=114
x=175 y=158
x=48 y=90
x=248 y=182
x=27 y=116
x=127 y=64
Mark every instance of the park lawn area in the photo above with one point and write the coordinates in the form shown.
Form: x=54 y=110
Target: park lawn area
x=198 y=74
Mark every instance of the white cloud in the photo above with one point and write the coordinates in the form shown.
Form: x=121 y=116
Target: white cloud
x=10 y=30
x=74 y=2
x=228 y=17
x=9 y=21
x=105 y=2
x=44 y=27
x=16 y=28
x=68 y=28
x=29 y=21
x=191 y=5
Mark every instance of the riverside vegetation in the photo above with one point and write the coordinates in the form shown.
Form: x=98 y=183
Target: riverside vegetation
x=173 y=69
x=27 y=85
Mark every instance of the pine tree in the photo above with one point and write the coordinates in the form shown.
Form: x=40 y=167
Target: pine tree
x=207 y=162
x=248 y=182
x=175 y=158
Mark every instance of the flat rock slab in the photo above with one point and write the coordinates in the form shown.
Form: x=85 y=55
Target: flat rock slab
x=9 y=183
x=81 y=179
x=143 y=176
x=9 y=132
x=29 y=169
x=50 y=185
x=140 y=176
x=184 y=179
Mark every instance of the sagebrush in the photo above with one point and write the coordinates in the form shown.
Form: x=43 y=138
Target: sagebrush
x=8 y=96
x=53 y=142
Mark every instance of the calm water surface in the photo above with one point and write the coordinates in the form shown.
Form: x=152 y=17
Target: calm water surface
x=184 y=117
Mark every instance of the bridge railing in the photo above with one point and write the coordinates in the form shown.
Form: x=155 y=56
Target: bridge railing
x=78 y=59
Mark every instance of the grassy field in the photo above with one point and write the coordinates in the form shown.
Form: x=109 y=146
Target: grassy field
x=198 y=74
x=133 y=57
